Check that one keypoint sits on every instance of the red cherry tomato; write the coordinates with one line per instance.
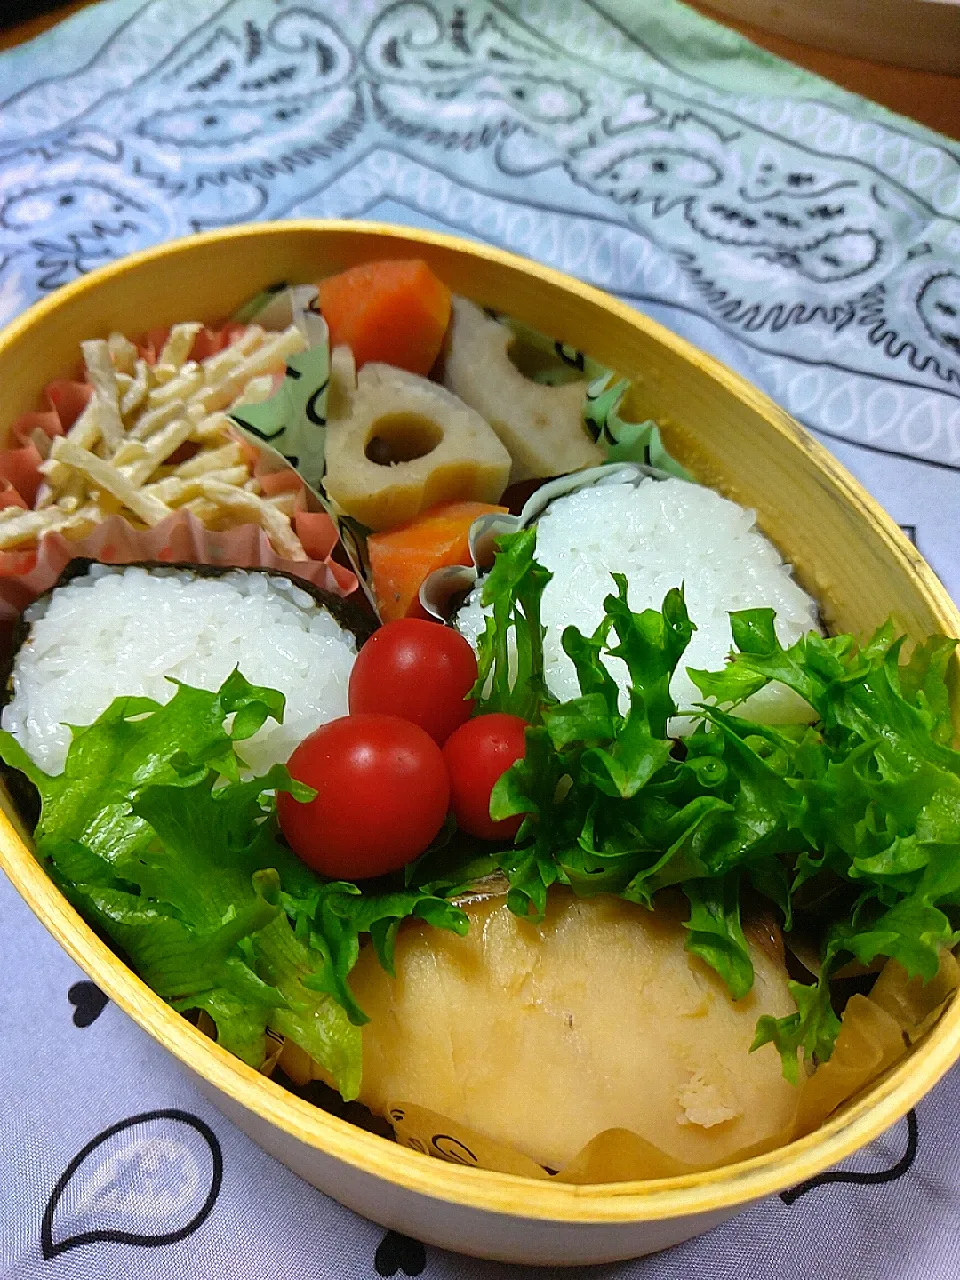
(421, 671)
(382, 796)
(476, 755)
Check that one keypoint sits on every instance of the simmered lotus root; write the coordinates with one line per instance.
(541, 426)
(406, 445)
(542, 1037)
(343, 383)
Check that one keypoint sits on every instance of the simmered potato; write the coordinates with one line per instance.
(542, 1037)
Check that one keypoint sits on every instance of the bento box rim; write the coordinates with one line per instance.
(503, 1194)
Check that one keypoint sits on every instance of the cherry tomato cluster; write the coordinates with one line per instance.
(387, 774)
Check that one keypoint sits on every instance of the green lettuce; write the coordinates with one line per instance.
(860, 813)
(510, 649)
(850, 826)
(157, 837)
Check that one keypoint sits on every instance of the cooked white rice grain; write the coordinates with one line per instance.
(123, 631)
(661, 534)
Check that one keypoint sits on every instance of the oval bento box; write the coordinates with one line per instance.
(847, 553)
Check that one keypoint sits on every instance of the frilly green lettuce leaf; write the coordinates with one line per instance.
(337, 914)
(860, 813)
(510, 674)
(715, 931)
(813, 1028)
(158, 840)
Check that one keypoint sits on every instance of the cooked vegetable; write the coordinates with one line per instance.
(381, 796)
(858, 814)
(417, 670)
(542, 1038)
(154, 836)
(407, 445)
(388, 312)
(540, 425)
(401, 558)
(622, 885)
(477, 755)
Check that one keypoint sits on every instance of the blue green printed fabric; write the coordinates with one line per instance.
(803, 235)
(808, 238)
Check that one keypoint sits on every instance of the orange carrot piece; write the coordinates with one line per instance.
(401, 558)
(393, 312)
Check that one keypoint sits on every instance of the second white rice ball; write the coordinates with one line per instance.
(661, 534)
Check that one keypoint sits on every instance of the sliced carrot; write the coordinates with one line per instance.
(401, 558)
(393, 312)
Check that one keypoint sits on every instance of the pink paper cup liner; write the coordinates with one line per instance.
(26, 574)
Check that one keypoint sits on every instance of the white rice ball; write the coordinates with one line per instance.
(661, 534)
(123, 631)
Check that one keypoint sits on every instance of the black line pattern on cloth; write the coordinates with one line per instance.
(902, 1166)
(682, 172)
(363, 209)
(88, 1003)
(397, 1252)
(171, 1170)
(656, 300)
(770, 235)
(645, 162)
(697, 104)
(882, 450)
(691, 105)
(97, 57)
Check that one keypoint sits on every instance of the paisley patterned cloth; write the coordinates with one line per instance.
(806, 237)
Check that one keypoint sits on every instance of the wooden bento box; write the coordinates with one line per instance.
(846, 550)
